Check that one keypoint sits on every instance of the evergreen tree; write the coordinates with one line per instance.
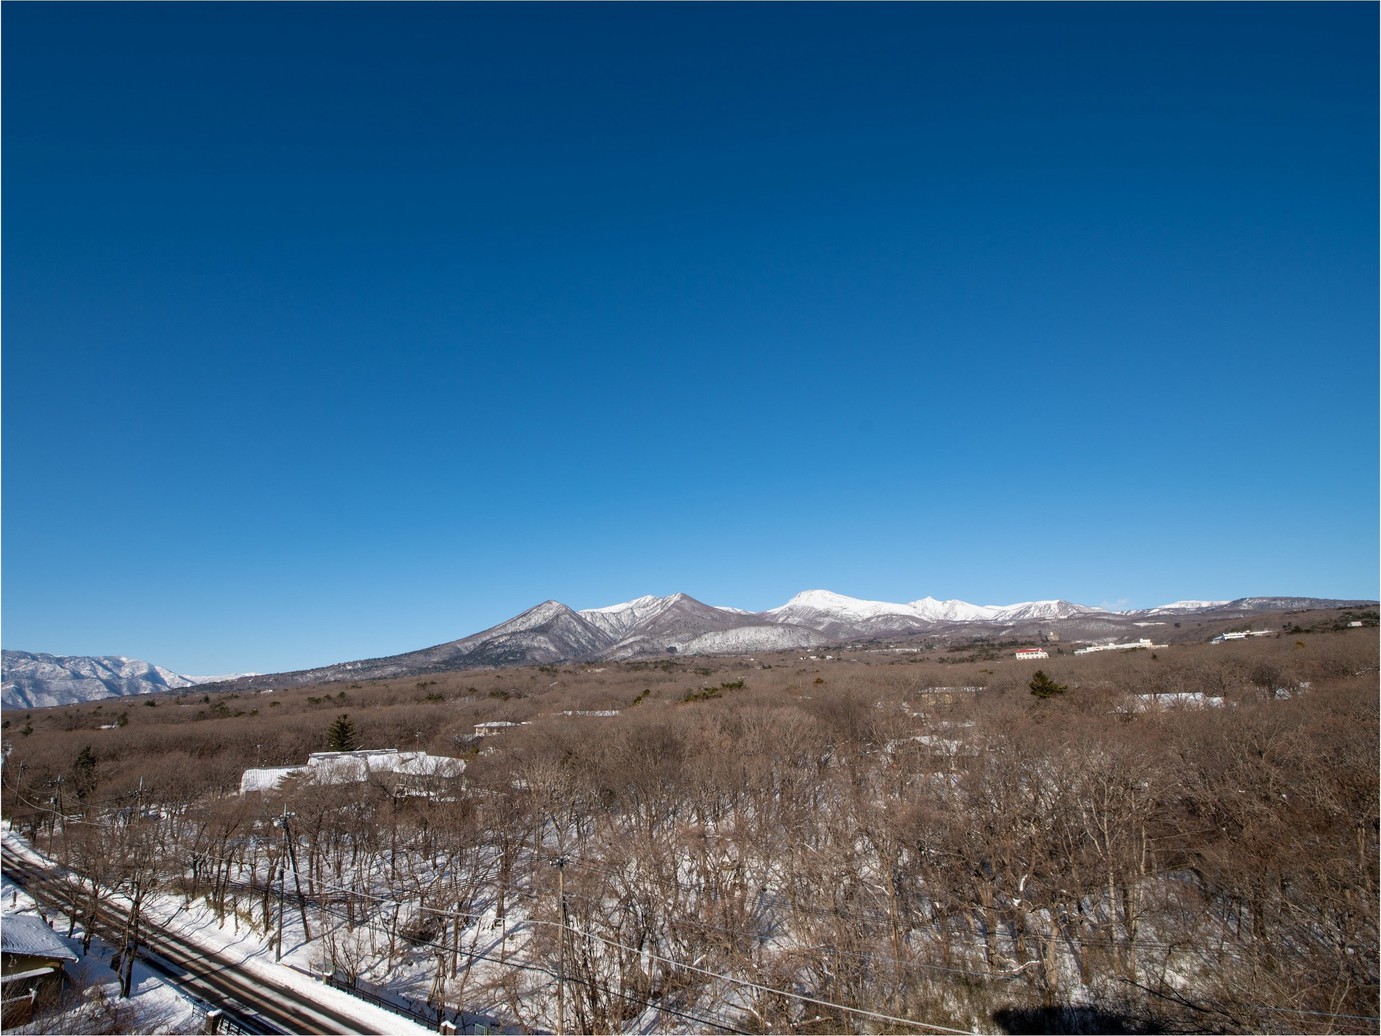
(341, 737)
(1044, 687)
(84, 773)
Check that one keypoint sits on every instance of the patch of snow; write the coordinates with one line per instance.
(1177, 700)
(1186, 606)
(751, 638)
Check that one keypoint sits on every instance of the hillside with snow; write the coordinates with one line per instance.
(36, 680)
(553, 633)
(847, 617)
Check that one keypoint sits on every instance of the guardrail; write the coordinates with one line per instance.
(436, 1018)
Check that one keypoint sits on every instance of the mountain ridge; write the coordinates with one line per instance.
(677, 624)
(36, 680)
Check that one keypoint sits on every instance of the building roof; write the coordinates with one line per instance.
(265, 778)
(29, 936)
(344, 767)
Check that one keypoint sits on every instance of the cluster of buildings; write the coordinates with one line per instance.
(1039, 653)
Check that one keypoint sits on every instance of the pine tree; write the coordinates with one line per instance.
(1044, 687)
(84, 773)
(341, 737)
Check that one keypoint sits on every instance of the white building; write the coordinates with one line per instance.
(1032, 653)
(408, 770)
(1143, 643)
(495, 726)
(1240, 635)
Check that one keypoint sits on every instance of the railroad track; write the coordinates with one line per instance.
(249, 1002)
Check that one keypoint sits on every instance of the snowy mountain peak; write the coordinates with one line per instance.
(544, 612)
(831, 612)
(952, 610)
(637, 604)
(837, 604)
(1041, 610)
(617, 619)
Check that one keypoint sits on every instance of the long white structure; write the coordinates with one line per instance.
(1143, 643)
(349, 767)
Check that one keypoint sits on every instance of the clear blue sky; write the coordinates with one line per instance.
(333, 331)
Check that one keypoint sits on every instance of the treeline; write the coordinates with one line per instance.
(1187, 843)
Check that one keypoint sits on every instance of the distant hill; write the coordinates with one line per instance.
(37, 680)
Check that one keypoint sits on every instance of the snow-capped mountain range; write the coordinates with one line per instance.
(837, 615)
(657, 627)
(35, 680)
(38, 680)
(553, 633)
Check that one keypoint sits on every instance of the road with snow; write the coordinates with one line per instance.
(251, 1002)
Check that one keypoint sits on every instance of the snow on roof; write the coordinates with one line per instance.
(265, 779)
(20, 976)
(342, 767)
(29, 936)
(1178, 699)
(420, 764)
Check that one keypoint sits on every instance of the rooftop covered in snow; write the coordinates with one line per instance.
(347, 767)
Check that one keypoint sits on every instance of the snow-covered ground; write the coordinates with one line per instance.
(155, 1006)
(158, 1007)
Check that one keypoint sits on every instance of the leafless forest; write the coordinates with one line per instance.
(1183, 839)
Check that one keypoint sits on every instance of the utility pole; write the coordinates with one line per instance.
(560, 864)
(282, 909)
(282, 822)
(297, 878)
(55, 805)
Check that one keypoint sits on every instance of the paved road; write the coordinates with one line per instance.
(250, 1003)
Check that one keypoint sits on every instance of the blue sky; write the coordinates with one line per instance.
(333, 331)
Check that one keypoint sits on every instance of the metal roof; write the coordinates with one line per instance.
(29, 936)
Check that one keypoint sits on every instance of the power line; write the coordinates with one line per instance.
(648, 954)
(614, 874)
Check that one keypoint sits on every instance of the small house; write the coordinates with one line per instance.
(32, 963)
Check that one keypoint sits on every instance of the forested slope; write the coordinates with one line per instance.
(1183, 840)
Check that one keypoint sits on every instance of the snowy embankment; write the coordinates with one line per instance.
(159, 1007)
(155, 1005)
